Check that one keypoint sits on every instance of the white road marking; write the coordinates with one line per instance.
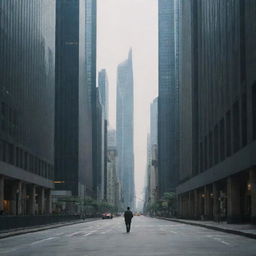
(75, 233)
(60, 234)
(221, 241)
(90, 233)
(218, 239)
(44, 240)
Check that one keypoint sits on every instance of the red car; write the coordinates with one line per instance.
(107, 215)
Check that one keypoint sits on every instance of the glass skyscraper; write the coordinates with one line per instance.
(27, 50)
(124, 130)
(168, 94)
(73, 122)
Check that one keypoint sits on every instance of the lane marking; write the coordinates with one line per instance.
(221, 241)
(90, 233)
(60, 234)
(44, 240)
(75, 233)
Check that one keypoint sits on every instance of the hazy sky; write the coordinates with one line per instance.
(123, 24)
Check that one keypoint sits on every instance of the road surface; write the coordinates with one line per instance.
(148, 237)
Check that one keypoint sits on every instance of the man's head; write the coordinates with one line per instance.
(128, 208)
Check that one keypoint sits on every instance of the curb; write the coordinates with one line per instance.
(40, 228)
(230, 231)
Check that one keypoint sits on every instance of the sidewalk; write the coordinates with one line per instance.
(21, 231)
(246, 230)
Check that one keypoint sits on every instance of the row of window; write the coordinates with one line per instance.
(22, 159)
(229, 135)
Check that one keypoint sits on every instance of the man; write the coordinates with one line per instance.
(128, 219)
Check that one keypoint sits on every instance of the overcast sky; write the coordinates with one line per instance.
(123, 24)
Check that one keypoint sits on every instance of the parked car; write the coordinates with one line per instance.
(107, 215)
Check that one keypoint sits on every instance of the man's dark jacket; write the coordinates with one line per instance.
(128, 216)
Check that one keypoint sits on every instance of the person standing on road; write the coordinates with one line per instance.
(128, 219)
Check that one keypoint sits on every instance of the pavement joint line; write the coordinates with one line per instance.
(225, 230)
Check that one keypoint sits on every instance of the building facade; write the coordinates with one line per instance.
(27, 51)
(217, 174)
(152, 193)
(103, 93)
(103, 87)
(113, 183)
(124, 130)
(73, 112)
(91, 77)
(100, 140)
(168, 98)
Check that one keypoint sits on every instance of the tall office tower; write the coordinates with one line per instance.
(168, 95)
(151, 194)
(100, 182)
(27, 50)
(124, 130)
(218, 96)
(90, 75)
(103, 88)
(103, 91)
(153, 122)
(73, 119)
(99, 169)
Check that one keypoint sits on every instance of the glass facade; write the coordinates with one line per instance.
(124, 130)
(73, 116)
(27, 50)
(168, 96)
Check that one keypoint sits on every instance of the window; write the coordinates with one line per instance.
(228, 134)
(26, 161)
(222, 140)
(254, 110)
(210, 149)
(10, 153)
(4, 153)
(31, 163)
(1, 149)
(244, 120)
(205, 153)
(201, 157)
(236, 127)
(17, 157)
(216, 144)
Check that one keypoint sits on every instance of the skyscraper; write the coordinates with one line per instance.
(100, 172)
(103, 88)
(124, 130)
(91, 77)
(100, 161)
(73, 118)
(218, 97)
(27, 51)
(151, 192)
(167, 100)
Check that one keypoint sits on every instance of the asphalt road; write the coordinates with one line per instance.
(149, 237)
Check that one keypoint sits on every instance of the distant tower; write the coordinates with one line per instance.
(124, 130)
(103, 89)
